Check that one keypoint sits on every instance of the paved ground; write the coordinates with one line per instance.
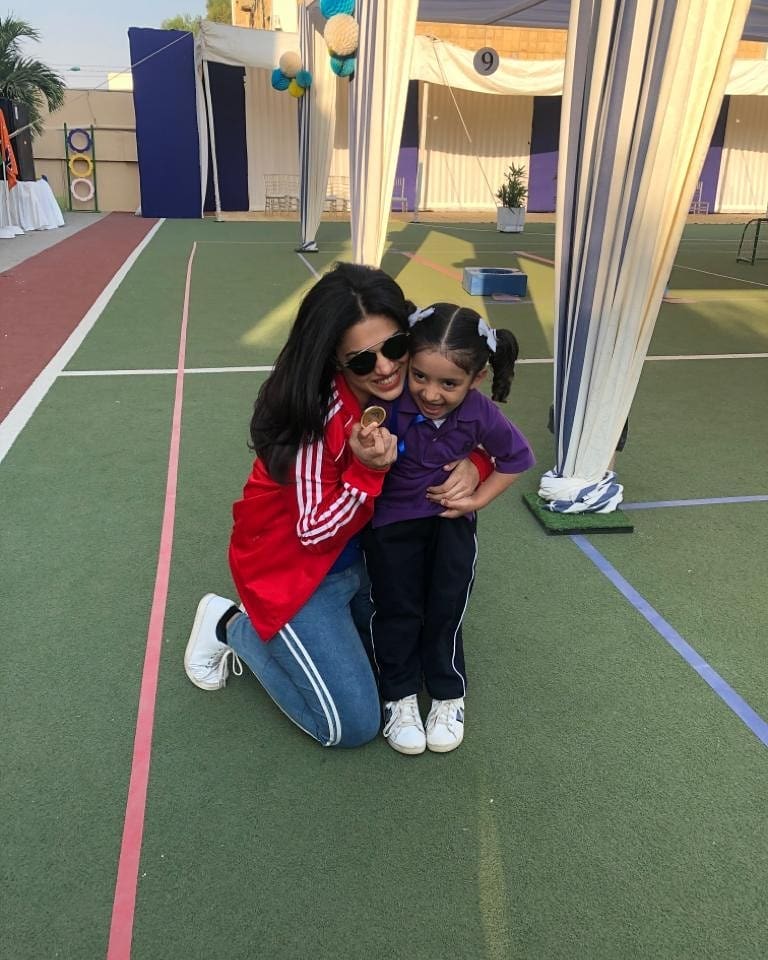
(15, 251)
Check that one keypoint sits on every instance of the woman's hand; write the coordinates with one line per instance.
(460, 484)
(375, 447)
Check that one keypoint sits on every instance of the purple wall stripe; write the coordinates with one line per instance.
(710, 172)
(542, 170)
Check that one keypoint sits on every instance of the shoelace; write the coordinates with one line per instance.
(445, 714)
(236, 666)
(218, 662)
(404, 715)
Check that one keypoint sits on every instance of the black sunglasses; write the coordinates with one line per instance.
(393, 348)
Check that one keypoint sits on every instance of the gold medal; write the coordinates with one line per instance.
(375, 415)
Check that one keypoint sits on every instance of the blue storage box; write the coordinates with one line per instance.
(485, 281)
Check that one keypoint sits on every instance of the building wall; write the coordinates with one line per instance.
(529, 44)
(110, 113)
(524, 44)
(252, 13)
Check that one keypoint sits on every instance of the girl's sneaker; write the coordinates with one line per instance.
(445, 725)
(206, 659)
(403, 729)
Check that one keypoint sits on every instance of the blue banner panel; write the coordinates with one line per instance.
(228, 99)
(163, 67)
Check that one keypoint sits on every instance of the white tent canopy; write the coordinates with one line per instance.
(633, 137)
(433, 61)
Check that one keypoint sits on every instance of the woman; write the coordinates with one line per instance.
(295, 553)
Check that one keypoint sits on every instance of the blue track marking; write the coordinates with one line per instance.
(708, 674)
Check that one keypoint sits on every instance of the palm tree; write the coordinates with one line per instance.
(24, 79)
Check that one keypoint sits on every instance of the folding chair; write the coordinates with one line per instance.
(398, 194)
(337, 198)
(272, 192)
(291, 191)
(697, 204)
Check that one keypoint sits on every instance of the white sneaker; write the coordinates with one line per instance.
(206, 660)
(403, 729)
(445, 725)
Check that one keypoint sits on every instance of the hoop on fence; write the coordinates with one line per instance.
(89, 189)
(83, 133)
(81, 158)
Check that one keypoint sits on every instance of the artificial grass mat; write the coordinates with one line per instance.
(565, 523)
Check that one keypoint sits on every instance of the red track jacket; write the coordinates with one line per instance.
(287, 536)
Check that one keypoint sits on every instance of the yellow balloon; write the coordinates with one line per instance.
(295, 90)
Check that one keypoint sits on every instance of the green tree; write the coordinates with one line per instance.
(25, 79)
(182, 21)
(218, 10)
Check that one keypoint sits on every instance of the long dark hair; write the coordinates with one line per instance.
(453, 331)
(293, 402)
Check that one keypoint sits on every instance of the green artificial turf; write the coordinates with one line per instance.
(605, 803)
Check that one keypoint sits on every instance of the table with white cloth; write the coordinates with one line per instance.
(30, 205)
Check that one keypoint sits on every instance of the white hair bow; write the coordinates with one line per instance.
(488, 332)
(420, 315)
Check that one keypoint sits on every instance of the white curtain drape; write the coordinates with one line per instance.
(317, 119)
(743, 186)
(377, 106)
(643, 87)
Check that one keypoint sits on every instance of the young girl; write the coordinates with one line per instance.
(295, 552)
(421, 557)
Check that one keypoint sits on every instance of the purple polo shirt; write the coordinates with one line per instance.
(478, 421)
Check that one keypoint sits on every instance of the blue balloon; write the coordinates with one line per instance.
(304, 79)
(279, 79)
(329, 8)
(343, 66)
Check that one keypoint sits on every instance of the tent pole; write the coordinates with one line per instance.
(212, 138)
(423, 116)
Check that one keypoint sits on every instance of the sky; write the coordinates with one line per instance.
(90, 34)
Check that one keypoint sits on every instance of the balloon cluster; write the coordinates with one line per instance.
(290, 76)
(341, 35)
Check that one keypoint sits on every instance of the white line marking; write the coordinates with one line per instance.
(309, 266)
(269, 369)
(713, 356)
(19, 416)
(723, 276)
(272, 243)
(161, 371)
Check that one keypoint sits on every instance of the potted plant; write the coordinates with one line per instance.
(510, 216)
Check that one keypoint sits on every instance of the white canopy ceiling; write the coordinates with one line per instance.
(546, 13)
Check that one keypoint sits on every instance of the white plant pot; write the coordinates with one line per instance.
(510, 219)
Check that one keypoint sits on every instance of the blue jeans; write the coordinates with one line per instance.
(316, 668)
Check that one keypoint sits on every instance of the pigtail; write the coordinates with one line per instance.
(503, 364)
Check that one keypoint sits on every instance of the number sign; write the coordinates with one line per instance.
(486, 61)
